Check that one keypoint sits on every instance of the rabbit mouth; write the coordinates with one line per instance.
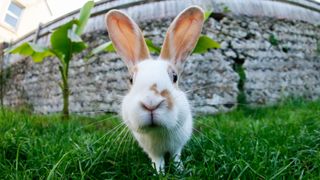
(153, 123)
(150, 127)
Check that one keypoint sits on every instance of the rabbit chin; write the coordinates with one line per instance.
(140, 120)
(158, 120)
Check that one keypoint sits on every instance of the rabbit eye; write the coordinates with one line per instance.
(174, 77)
(130, 80)
(172, 74)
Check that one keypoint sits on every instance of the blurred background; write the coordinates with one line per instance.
(18, 17)
(268, 52)
(254, 90)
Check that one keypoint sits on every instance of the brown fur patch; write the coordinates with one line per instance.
(166, 94)
(154, 89)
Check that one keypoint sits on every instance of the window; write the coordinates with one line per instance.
(13, 14)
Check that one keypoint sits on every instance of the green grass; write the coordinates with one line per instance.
(279, 142)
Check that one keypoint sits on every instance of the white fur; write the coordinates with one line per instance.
(155, 110)
(175, 125)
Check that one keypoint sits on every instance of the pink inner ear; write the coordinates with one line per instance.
(126, 37)
(183, 35)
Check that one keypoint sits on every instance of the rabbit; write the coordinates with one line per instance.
(155, 110)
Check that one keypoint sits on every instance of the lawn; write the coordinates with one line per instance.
(278, 142)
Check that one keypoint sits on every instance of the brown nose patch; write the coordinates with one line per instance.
(154, 88)
(164, 93)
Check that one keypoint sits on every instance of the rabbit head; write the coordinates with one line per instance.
(154, 100)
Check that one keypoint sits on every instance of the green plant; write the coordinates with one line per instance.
(207, 14)
(226, 9)
(273, 40)
(65, 42)
(204, 44)
(241, 99)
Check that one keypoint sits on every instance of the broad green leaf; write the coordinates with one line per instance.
(59, 38)
(152, 48)
(73, 36)
(77, 44)
(84, 16)
(207, 14)
(37, 52)
(108, 47)
(204, 43)
(65, 41)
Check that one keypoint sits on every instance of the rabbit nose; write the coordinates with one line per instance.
(151, 107)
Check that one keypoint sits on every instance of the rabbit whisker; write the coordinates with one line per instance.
(118, 137)
(124, 139)
(115, 129)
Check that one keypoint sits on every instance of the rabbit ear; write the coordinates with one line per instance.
(126, 37)
(182, 35)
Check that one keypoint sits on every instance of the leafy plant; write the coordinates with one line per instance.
(241, 99)
(285, 49)
(207, 14)
(65, 42)
(226, 9)
(152, 48)
(204, 44)
(273, 40)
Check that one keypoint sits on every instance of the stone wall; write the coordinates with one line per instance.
(211, 80)
(274, 71)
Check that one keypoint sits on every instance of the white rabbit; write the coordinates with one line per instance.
(155, 109)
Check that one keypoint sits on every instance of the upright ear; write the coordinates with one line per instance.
(182, 35)
(126, 37)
